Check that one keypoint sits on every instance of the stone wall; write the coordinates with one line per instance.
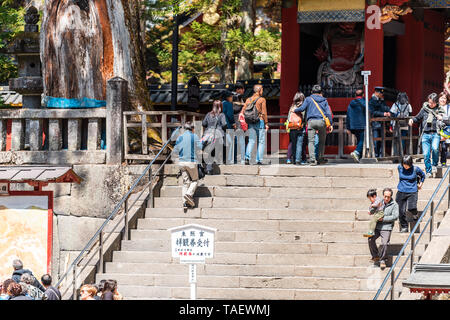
(80, 209)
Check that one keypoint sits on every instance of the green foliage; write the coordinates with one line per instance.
(200, 47)
(11, 22)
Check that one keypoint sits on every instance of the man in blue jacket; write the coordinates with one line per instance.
(356, 122)
(316, 122)
(186, 147)
(378, 109)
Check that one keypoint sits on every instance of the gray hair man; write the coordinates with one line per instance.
(19, 271)
(384, 229)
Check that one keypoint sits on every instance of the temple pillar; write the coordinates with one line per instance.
(373, 54)
(290, 62)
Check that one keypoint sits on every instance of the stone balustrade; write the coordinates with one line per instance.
(65, 136)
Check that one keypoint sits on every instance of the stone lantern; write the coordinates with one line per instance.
(26, 48)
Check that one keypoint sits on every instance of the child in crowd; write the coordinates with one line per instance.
(376, 209)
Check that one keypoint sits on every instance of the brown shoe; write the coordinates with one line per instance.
(374, 260)
(189, 201)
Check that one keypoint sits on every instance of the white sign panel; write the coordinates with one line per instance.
(192, 243)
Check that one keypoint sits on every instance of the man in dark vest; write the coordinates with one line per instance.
(378, 109)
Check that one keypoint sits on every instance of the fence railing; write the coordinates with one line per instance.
(392, 276)
(341, 138)
(394, 137)
(97, 242)
(136, 125)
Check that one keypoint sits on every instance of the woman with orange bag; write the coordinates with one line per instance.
(296, 128)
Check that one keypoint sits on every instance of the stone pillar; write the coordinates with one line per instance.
(116, 101)
(17, 135)
(2, 135)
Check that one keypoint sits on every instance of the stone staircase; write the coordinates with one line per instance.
(284, 232)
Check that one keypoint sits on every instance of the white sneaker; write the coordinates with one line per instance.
(428, 175)
(434, 169)
(189, 200)
(355, 156)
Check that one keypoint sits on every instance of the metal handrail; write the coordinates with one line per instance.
(414, 243)
(98, 236)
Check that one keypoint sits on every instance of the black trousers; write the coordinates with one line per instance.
(406, 202)
(444, 148)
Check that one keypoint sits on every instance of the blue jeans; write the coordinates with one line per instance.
(316, 147)
(359, 134)
(257, 135)
(296, 138)
(430, 147)
(377, 144)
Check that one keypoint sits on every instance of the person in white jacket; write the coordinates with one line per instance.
(401, 109)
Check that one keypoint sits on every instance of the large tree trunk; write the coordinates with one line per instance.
(86, 42)
(227, 71)
(245, 63)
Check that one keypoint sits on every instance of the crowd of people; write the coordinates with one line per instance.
(23, 285)
(433, 118)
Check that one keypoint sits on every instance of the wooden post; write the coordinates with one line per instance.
(17, 134)
(144, 134)
(125, 135)
(116, 101)
(341, 138)
(2, 135)
(164, 128)
(383, 139)
(54, 135)
(410, 134)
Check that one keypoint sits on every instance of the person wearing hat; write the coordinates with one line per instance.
(227, 105)
(378, 109)
(187, 147)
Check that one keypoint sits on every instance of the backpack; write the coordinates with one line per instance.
(251, 112)
(295, 121)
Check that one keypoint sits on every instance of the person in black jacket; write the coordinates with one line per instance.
(19, 271)
(356, 122)
(378, 109)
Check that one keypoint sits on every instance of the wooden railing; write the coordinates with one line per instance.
(395, 138)
(136, 135)
(341, 138)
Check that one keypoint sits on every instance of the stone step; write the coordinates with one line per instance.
(131, 292)
(330, 170)
(261, 225)
(269, 248)
(275, 203)
(323, 283)
(214, 270)
(296, 181)
(266, 214)
(274, 263)
(280, 192)
(270, 236)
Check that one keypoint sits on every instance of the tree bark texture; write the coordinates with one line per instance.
(86, 42)
(227, 71)
(245, 62)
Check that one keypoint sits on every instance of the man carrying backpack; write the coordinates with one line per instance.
(255, 113)
(319, 118)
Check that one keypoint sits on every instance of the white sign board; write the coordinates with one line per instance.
(3, 188)
(192, 243)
